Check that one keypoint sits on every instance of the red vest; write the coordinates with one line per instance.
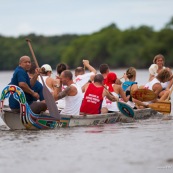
(92, 100)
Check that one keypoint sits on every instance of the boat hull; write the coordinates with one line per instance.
(14, 122)
(26, 119)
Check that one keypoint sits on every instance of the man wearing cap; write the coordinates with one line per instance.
(50, 83)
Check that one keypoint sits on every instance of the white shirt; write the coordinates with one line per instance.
(73, 103)
(111, 106)
(44, 79)
(150, 84)
(83, 79)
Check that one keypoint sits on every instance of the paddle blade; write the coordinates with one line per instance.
(125, 109)
(163, 107)
(53, 110)
(143, 95)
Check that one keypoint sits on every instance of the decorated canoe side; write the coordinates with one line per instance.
(14, 122)
(26, 119)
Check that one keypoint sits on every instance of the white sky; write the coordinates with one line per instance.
(56, 17)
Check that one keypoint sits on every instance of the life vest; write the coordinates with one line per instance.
(127, 87)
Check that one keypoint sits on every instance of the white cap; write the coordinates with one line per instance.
(47, 67)
(153, 69)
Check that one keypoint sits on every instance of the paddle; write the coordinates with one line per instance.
(143, 95)
(169, 94)
(162, 107)
(125, 109)
(46, 93)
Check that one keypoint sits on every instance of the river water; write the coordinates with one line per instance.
(142, 146)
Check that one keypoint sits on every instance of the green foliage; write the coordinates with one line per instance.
(132, 47)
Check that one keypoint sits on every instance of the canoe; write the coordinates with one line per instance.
(27, 120)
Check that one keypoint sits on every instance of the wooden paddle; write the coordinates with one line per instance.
(162, 106)
(169, 94)
(46, 93)
(143, 95)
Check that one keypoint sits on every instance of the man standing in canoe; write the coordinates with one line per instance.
(21, 79)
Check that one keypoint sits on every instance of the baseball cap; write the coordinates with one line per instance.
(47, 67)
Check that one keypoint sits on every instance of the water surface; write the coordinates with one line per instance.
(142, 146)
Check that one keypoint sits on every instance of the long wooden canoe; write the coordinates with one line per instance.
(26, 119)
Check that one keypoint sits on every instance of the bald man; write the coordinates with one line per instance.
(21, 79)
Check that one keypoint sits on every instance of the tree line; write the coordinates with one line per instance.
(118, 48)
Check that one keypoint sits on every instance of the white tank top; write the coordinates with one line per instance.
(150, 84)
(111, 106)
(73, 103)
(44, 79)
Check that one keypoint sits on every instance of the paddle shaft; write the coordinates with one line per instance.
(169, 94)
(163, 107)
(47, 95)
(34, 57)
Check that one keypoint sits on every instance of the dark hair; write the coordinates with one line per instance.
(61, 67)
(103, 68)
(98, 78)
(32, 69)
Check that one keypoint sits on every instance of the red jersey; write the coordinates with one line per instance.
(92, 100)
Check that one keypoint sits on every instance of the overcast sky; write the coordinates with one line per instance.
(57, 17)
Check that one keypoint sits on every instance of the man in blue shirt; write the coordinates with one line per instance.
(38, 87)
(21, 79)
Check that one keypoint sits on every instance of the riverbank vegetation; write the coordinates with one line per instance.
(120, 49)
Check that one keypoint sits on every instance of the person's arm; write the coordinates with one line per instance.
(89, 67)
(68, 91)
(123, 95)
(34, 78)
(24, 86)
(109, 95)
(157, 88)
(170, 83)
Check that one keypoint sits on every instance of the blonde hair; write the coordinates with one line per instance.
(164, 75)
(131, 72)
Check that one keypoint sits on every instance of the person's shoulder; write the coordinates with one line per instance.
(20, 71)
